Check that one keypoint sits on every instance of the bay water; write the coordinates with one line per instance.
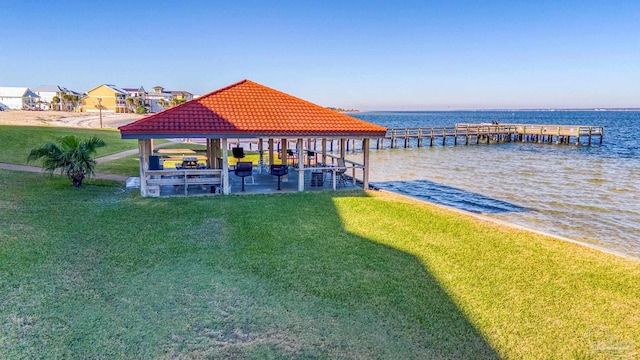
(590, 194)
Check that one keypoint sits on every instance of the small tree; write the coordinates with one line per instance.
(141, 110)
(56, 101)
(73, 157)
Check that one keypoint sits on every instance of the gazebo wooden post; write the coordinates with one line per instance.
(261, 159)
(225, 168)
(343, 141)
(210, 154)
(143, 151)
(324, 152)
(216, 152)
(365, 163)
(283, 155)
(300, 165)
(271, 151)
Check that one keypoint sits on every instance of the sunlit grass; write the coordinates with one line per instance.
(530, 295)
(101, 273)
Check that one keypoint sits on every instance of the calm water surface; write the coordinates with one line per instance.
(590, 194)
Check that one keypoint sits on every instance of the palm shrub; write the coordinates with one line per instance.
(72, 155)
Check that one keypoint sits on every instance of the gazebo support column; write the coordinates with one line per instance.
(226, 190)
(270, 152)
(343, 141)
(283, 155)
(144, 149)
(210, 158)
(365, 163)
(324, 151)
(261, 159)
(300, 165)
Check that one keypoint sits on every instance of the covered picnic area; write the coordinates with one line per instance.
(256, 139)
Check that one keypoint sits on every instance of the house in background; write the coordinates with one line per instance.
(138, 97)
(67, 100)
(182, 95)
(159, 98)
(108, 97)
(18, 98)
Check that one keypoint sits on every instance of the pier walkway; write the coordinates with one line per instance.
(460, 134)
(465, 134)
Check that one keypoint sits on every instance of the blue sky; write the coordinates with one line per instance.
(369, 55)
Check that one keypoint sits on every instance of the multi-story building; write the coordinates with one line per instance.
(66, 99)
(159, 98)
(18, 98)
(108, 97)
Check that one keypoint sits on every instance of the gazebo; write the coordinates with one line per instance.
(247, 110)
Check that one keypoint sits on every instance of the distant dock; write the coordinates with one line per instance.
(462, 134)
(466, 134)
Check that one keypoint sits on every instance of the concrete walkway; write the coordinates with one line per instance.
(36, 169)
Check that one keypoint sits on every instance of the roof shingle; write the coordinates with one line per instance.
(248, 109)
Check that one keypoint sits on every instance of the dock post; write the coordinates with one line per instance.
(601, 134)
(431, 140)
(466, 135)
(406, 138)
(420, 137)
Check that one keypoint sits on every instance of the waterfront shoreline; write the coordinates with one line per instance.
(505, 223)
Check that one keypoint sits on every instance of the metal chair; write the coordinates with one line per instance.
(244, 169)
(279, 170)
(340, 176)
(238, 152)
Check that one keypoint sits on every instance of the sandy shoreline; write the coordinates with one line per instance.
(65, 119)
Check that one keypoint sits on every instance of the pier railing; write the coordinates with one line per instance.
(490, 133)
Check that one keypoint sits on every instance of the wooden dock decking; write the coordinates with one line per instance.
(461, 134)
(491, 133)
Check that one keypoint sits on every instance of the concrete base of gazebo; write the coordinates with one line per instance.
(261, 183)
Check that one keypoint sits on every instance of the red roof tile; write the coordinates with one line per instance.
(248, 109)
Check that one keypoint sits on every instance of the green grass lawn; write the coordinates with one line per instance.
(17, 141)
(101, 273)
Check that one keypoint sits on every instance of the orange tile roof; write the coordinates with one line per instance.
(247, 109)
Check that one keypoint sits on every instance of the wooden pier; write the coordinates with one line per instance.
(460, 134)
(465, 134)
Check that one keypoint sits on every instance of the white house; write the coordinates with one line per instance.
(138, 94)
(18, 98)
(161, 96)
(157, 97)
(47, 92)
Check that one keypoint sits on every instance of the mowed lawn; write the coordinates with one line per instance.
(99, 272)
(17, 141)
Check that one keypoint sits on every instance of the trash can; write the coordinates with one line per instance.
(154, 162)
(317, 179)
